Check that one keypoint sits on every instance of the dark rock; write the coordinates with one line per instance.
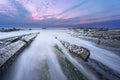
(11, 50)
(70, 71)
(77, 50)
(29, 37)
(102, 36)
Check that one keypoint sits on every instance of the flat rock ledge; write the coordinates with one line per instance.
(79, 51)
(11, 47)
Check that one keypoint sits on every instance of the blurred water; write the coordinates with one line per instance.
(106, 57)
(40, 58)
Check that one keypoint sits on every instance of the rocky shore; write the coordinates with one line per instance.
(11, 47)
(82, 54)
(9, 29)
(68, 68)
(78, 51)
(105, 38)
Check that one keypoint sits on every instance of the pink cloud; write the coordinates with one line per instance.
(7, 8)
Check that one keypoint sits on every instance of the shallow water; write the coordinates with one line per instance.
(36, 60)
(106, 57)
(39, 62)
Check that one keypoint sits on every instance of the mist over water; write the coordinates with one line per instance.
(106, 57)
(33, 60)
(39, 61)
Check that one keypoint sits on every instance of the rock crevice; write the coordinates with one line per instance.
(12, 47)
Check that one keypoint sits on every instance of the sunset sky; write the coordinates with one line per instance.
(57, 12)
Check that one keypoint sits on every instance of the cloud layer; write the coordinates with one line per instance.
(57, 12)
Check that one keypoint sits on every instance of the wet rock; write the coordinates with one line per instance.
(106, 37)
(71, 72)
(103, 70)
(7, 41)
(12, 47)
(29, 37)
(77, 50)
(10, 50)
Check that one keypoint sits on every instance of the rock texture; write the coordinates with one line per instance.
(106, 37)
(7, 41)
(10, 50)
(71, 72)
(77, 50)
(28, 37)
(11, 47)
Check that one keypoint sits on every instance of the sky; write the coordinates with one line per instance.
(57, 12)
